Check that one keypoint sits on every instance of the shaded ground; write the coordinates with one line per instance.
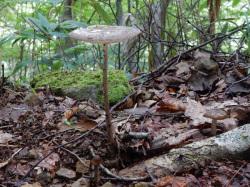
(53, 136)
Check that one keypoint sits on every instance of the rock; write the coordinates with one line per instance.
(84, 85)
(77, 93)
(80, 183)
(107, 184)
(82, 167)
(66, 173)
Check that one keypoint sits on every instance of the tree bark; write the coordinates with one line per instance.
(129, 47)
(231, 144)
(67, 10)
(67, 15)
(157, 32)
(119, 18)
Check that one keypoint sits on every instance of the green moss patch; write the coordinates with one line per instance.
(83, 85)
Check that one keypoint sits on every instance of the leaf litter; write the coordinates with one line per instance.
(167, 112)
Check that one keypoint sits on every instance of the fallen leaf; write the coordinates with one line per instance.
(50, 162)
(195, 110)
(85, 124)
(174, 181)
(170, 104)
(82, 167)
(66, 173)
(37, 184)
(6, 137)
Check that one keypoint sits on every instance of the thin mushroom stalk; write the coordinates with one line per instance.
(106, 96)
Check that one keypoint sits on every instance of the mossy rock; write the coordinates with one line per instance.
(83, 85)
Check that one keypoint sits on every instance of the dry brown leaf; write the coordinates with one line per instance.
(170, 104)
(70, 113)
(36, 184)
(85, 124)
(50, 162)
(173, 181)
(195, 110)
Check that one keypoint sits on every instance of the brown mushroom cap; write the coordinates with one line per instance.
(216, 114)
(104, 34)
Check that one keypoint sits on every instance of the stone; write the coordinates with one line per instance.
(84, 85)
(66, 173)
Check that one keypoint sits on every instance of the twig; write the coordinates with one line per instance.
(135, 135)
(3, 80)
(109, 173)
(55, 134)
(236, 173)
(74, 154)
(6, 126)
(121, 102)
(237, 82)
(3, 164)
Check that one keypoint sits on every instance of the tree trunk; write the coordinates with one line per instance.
(67, 15)
(129, 48)
(119, 18)
(67, 10)
(157, 32)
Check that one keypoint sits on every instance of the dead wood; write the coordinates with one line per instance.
(227, 145)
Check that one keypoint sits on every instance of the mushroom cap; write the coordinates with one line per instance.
(104, 34)
(216, 114)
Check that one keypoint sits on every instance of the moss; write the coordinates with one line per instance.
(59, 81)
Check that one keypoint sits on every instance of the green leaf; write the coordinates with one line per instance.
(44, 22)
(102, 13)
(20, 66)
(203, 5)
(235, 2)
(58, 34)
(70, 24)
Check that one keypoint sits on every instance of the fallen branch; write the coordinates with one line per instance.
(173, 141)
(230, 144)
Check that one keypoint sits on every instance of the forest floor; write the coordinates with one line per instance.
(47, 140)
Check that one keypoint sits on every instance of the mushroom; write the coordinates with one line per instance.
(215, 114)
(105, 35)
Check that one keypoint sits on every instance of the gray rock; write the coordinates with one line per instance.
(84, 93)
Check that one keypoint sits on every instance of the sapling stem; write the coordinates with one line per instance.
(106, 96)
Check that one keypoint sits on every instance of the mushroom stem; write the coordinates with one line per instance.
(105, 94)
(214, 127)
